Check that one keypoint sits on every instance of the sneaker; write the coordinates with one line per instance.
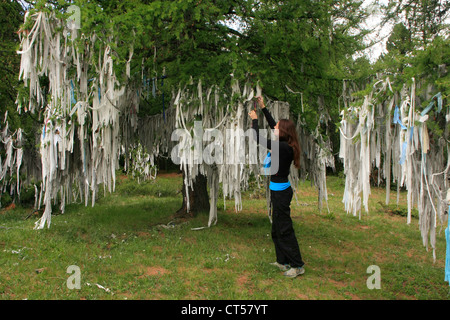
(293, 272)
(282, 267)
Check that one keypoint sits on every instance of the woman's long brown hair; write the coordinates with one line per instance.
(287, 132)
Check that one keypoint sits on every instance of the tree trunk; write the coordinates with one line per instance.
(198, 198)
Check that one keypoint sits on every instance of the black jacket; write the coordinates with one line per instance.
(282, 152)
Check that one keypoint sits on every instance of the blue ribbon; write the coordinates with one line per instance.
(267, 163)
(72, 93)
(397, 118)
(404, 146)
(447, 254)
(437, 97)
(402, 159)
(268, 160)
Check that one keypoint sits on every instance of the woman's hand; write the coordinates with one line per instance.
(260, 101)
(253, 115)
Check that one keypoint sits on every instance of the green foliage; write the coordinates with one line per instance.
(432, 64)
(11, 17)
(293, 43)
(400, 40)
(417, 49)
(299, 44)
(424, 20)
(306, 46)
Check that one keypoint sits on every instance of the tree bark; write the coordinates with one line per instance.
(198, 198)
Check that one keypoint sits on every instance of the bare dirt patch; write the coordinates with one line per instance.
(153, 271)
(170, 175)
(243, 283)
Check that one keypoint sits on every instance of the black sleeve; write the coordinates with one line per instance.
(269, 118)
(261, 140)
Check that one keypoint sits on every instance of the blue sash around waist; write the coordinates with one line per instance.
(280, 186)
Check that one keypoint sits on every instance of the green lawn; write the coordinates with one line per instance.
(129, 247)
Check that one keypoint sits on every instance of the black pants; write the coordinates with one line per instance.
(283, 235)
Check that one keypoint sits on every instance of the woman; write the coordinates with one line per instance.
(285, 150)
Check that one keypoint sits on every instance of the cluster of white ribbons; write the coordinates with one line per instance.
(398, 147)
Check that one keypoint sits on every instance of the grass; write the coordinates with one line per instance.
(128, 246)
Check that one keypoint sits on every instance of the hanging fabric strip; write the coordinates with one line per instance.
(72, 93)
(403, 156)
(405, 145)
(162, 89)
(438, 98)
(447, 255)
(154, 87)
(397, 118)
(267, 164)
